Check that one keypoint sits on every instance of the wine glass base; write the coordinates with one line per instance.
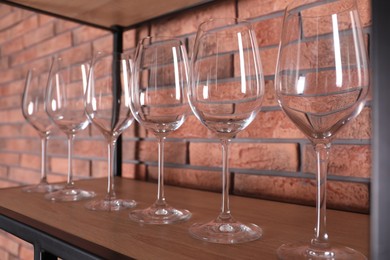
(225, 231)
(159, 215)
(43, 188)
(70, 194)
(110, 204)
(305, 251)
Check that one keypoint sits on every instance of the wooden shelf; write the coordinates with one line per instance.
(107, 13)
(112, 234)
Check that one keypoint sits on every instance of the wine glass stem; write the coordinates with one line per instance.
(320, 233)
(160, 191)
(43, 159)
(111, 169)
(225, 209)
(70, 183)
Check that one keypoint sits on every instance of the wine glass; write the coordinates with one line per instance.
(65, 106)
(226, 92)
(33, 109)
(322, 81)
(107, 104)
(159, 103)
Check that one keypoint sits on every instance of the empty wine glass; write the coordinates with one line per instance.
(65, 106)
(225, 95)
(158, 102)
(322, 81)
(107, 104)
(33, 109)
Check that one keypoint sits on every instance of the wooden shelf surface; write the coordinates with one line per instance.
(108, 13)
(108, 233)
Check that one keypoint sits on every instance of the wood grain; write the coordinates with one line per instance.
(107, 13)
(110, 233)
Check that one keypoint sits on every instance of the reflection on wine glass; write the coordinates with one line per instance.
(33, 109)
(225, 95)
(322, 81)
(107, 104)
(65, 106)
(158, 102)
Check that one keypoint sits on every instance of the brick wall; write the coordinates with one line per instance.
(270, 159)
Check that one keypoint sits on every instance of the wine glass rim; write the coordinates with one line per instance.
(158, 39)
(292, 9)
(236, 21)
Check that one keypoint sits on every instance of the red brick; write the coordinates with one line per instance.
(271, 124)
(99, 168)
(26, 252)
(359, 127)
(24, 175)
(7, 184)
(10, 102)
(18, 240)
(344, 160)
(275, 124)
(198, 179)
(42, 64)
(247, 155)
(364, 7)
(268, 60)
(10, 245)
(103, 44)
(9, 75)
(130, 131)
(211, 158)
(128, 150)
(56, 178)
(341, 195)
(12, 17)
(141, 131)
(192, 128)
(12, 130)
(269, 98)
(64, 25)
(188, 21)
(254, 8)
(129, 39)
(90, 148)
(3, 171)
(20, 145)
(268, 31)
(265, 156)
(10, 158)
(142, 31)
(4, 254)
(32, 161)
(45, 19)
(28, 39)
(86, 34)
(53, 45)
(79, 53)
(134, 171)
(81, 168)
(26, 130)
(4, 61)
(58, 146)
(174, 152)
(20, 28)
(130, 171)
(5, 10)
